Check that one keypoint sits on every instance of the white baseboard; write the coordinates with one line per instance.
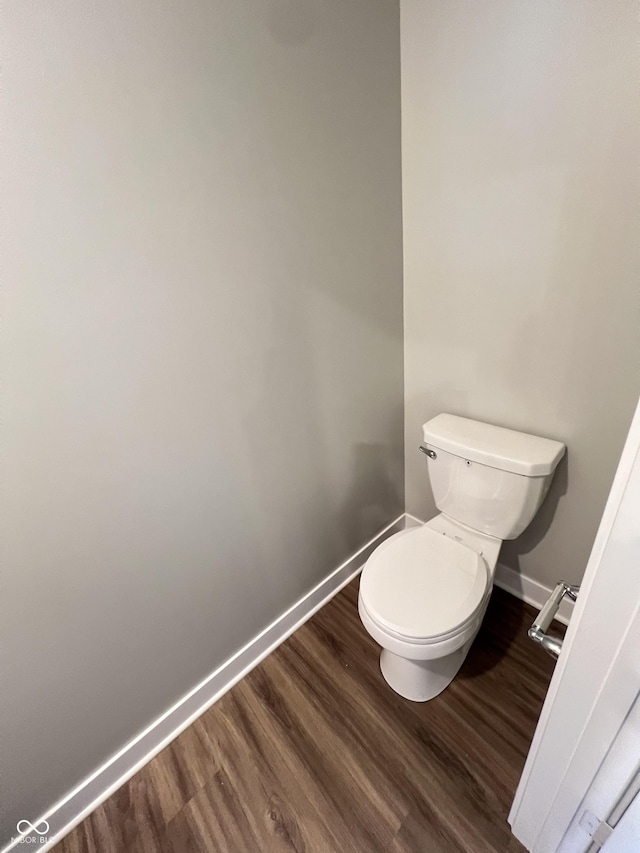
(80, 802)
(531, 591)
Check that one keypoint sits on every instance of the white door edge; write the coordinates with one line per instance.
(592, 688)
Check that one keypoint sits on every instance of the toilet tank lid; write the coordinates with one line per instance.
(497, 447)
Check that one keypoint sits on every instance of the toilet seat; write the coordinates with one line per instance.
(422, 643)
(423, 586)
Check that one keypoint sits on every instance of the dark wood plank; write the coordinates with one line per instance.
(312, 752)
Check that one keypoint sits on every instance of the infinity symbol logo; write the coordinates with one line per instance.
(24, 826)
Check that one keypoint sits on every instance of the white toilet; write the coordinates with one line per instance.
(425, 590)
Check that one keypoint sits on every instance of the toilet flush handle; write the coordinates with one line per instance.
(430, 453)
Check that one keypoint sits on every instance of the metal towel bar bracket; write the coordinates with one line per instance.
(538, 631)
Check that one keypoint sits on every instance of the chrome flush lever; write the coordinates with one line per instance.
(538, 631)
(427, 450)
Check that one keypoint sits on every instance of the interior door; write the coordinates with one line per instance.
(597, 677)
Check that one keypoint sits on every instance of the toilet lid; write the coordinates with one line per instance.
(422, 584)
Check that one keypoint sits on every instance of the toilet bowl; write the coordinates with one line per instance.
(424, 591)
(422, 598)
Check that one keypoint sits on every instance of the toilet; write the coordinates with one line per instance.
(424, 591)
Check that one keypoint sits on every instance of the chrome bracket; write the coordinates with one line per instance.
(538, 631)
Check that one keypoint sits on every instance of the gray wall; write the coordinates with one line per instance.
(202, 346)
(520, 198)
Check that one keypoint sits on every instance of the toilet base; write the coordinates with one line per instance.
(421, 680)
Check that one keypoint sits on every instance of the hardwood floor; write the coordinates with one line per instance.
(314, 752)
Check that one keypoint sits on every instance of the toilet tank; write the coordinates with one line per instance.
(487, 477)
